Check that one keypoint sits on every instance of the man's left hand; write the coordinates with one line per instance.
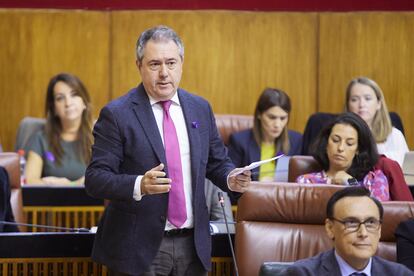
(239, 182)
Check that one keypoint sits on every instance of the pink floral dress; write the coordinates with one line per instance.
(375, 181)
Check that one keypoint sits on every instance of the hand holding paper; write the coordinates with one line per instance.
(253, 165)
(239, 179)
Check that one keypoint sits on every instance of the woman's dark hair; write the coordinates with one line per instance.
(269, 98)
(367, 155)
(53, 127)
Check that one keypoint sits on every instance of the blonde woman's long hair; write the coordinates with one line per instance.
(381, 124)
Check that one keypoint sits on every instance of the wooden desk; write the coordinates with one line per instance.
(60, 206)
(64, 254)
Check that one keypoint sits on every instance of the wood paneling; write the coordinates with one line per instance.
(377, 45)
(37, 44)
(230, 57)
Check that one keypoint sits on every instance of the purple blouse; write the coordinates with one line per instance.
(375, 181)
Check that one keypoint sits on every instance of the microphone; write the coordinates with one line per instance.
(221, 201)
(75, 230)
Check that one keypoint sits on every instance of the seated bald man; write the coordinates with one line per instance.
(354, 224)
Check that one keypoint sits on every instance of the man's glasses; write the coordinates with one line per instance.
(353, 225)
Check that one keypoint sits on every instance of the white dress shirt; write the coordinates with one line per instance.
(395, 147)
(347, 270)
(177, 116)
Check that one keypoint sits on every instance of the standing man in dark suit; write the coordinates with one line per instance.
(354, 224)
(153, 149)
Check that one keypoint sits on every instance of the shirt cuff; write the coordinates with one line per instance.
(228, 183)
(137, 188)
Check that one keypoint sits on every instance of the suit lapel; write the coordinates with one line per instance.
(145, 116)
(375, 266)
(329, 264)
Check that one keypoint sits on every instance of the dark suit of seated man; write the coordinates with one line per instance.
(405, 243)
(354, 225)
(6, 213)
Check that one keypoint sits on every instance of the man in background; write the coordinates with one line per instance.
(354, 224)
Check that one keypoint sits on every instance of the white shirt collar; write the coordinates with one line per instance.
(347, 270)
(174, 99)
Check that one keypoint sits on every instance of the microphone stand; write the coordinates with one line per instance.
(221, 200)
(76, 230)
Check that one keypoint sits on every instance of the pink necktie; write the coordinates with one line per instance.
(177, 213)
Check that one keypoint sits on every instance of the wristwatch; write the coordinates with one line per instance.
(352, 182)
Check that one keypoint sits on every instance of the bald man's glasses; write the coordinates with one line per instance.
(353, 225)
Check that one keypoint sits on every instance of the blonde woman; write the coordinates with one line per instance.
(59, 153)
(365, 98)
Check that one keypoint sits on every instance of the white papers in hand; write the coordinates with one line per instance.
(254, 165)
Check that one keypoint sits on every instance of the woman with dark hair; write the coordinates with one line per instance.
(347, 153)
(269, 136)
(59, 153)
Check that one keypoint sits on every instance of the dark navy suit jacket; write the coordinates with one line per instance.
(127, 144)
(325, 264)
(244, 150)
(6, 213)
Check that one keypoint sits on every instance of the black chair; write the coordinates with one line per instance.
(320, 119)
(273, 268)
(27, 127)
(397, 122)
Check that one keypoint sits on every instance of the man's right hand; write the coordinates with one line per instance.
(155, 182)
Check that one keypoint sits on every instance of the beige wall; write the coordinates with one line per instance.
(376, 45)
(37, 44)
(230, 57)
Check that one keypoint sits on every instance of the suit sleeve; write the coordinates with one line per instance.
(219, 164)
(405, 243)
(103, 178)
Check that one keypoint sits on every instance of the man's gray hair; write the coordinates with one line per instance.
(158, 33)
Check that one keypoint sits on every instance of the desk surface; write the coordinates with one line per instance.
(57, 196)
(54, 245)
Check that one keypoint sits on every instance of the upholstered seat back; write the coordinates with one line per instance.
(27, 127)
(284, 222)
(230, 123)
(302, 164)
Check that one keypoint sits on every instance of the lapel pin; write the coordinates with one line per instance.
(49, 156)
(194, 124)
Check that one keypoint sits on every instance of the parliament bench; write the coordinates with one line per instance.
(284, 222)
